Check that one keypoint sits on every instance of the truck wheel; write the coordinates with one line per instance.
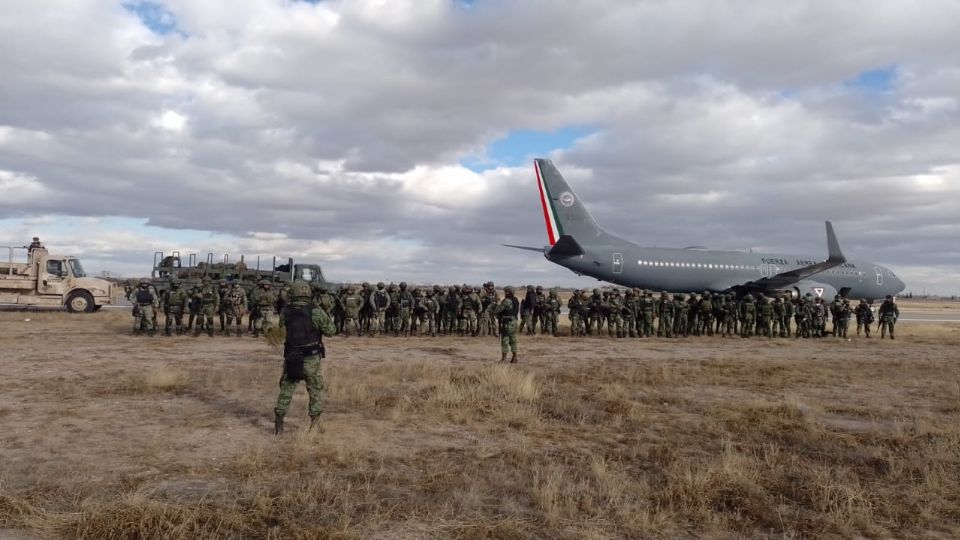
(80, 302)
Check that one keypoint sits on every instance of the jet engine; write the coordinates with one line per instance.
(815, 288)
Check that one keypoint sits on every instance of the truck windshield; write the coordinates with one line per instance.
(77, 268)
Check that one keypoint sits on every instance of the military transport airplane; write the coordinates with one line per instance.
(578, 243)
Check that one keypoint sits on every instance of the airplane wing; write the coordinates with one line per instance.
(785, 279)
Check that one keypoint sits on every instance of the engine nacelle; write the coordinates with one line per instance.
(815, 288)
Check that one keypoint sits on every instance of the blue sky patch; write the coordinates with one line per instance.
(875, 80)
(154, 16)
(522, 145)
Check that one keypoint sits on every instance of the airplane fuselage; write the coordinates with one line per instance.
(694, 270)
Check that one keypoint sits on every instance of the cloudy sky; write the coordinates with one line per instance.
(392, 139)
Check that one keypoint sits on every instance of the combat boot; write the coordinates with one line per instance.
(277, 423)
(239, 332)
(315, 424)
(503, 358)
(513, 358)
(210, 331)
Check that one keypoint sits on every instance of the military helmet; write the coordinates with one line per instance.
(206, 279)
(267, 284)
(223, 282)
(174, 282)
(748, 298)
(863, 300)
(539, 288)
(235, 284)
(467, 289)
(144, 283)
(436, 288)
(403, 284)
(351, 289)
(596, 291)
(508, 289)
(889, 297)
(529, 287)
(300, 289)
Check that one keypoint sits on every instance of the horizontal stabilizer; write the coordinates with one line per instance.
(528, 248)
(565, 247)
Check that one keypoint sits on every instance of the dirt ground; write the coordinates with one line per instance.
(105, 435)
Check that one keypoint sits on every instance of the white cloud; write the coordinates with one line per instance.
(170, 121)
(339, 126)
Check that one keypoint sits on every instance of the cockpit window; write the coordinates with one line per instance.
(77, 268)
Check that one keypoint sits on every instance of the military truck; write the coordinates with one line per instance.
(167, 266)
(51, 280)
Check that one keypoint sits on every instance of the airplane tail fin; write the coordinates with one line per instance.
(563, 212)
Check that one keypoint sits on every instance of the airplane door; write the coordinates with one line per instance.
(617, 263)
(879, 275)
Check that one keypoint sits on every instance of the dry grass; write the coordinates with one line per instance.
(425, 438)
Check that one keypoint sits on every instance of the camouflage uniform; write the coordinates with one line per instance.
(469, 305)
(845, 313)
(507, 313)
(208, 301)
(526, 311)
(765, 316)
(647, 309)
(352, 306)
(836, 309)
(730, 316)
(379, 304)
(306, 324)
(222, 289)
(145, 305)
(595, 311)
(573, 312)
(612, 309)
(665, 327)
(680, 307)
(706, 314)
(889, 313)
(551, 312)
(788, 309)
(748, 313)
(864, 317)
(234, 307)
(428, 314)
(264, 300)
(630, 309)
(405, 310)
(488, 308)
(451, 311)
(174, 305)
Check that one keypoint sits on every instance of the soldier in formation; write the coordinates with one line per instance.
(464, 310)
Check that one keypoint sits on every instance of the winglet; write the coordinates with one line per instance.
(833, 246)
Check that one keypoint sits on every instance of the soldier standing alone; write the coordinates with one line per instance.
(507, 313)
(889, 313)
(303, 349)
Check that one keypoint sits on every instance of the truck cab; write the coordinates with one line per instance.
(51, 280)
